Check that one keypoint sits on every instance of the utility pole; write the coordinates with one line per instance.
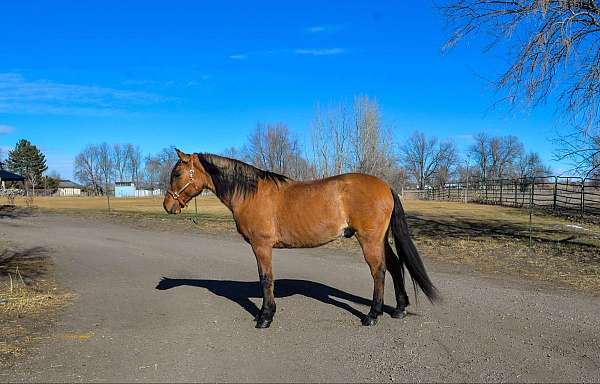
(468, 173)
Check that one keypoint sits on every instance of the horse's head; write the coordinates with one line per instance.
(188, 179)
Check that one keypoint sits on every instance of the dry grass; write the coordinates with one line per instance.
(29, 299)
(490, 239)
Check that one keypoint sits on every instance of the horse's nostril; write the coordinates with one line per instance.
(174, 207)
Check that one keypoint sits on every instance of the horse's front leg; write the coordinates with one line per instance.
(265, 273)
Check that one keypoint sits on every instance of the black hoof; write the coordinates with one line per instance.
(263, 323)
(258, 315)
(369, 321)
(399, 313)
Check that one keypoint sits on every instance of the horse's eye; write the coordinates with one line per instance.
(177, 174)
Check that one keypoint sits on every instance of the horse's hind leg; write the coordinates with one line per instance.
(396, 270)
(265, 273)
(374, 255)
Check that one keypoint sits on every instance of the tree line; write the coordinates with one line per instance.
(343, 138)
(354, 138)
(98, 166)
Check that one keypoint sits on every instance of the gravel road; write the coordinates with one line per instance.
(129, 324)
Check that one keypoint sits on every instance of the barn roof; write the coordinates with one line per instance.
(9, 176)
(69, 184)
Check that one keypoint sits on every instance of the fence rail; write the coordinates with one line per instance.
(567, 195)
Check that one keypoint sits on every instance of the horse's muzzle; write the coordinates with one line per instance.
(171, 206)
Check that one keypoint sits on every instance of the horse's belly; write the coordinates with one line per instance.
(308, 233)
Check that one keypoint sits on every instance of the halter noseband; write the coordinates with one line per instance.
(177, 195)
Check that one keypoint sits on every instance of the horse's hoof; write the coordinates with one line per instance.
(369, 321)
(399, 313)
(263, 323)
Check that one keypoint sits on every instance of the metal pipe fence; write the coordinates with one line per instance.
(561, 194)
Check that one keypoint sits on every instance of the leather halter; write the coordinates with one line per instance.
(177, 195)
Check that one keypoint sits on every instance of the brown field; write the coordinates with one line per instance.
(207, 205)
(487, 238)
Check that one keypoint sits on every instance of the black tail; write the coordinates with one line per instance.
(407, 253)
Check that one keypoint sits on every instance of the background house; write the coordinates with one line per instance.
(68, 188)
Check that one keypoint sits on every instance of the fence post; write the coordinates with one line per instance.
(554, 193)
(501, 185)
(516, 198)
(532, 190)
(582, 196)
(531, 211)
(486, 191)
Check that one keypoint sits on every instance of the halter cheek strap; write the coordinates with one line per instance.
(177, 195)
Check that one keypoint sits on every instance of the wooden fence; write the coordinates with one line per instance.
(568, 195)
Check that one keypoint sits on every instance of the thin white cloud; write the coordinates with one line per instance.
(319, 51)
(316, 29)
(24, 96)
(297, 51)
(324, 28)
(6, 129)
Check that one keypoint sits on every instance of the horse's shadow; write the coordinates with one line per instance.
(240, 292)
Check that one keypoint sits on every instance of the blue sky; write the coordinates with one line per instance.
(200, 75)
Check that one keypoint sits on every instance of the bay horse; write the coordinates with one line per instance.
(274, 211)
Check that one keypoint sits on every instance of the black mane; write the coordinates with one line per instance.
(232, 176)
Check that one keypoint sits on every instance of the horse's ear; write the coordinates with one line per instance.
(182, 156)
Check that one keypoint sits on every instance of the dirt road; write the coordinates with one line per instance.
(198, 325)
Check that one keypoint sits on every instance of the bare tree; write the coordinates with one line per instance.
(504, 151)
(424, 158)
(531, 165)
(119, 161)
(106, 168)
(583, 151)
(274, 148)
(86, 169)
(330, 141)
(554, 50)
(448, 163)
(234, 153)
(480, 153)
(163, 163)
(152, 170)
(133, 162)
(352, 139)
(371, 144)
(496, 156)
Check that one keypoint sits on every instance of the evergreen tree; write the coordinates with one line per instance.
(28, 161)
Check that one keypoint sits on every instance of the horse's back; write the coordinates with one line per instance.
(324, 209)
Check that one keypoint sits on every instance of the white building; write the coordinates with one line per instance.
(128, 189)
(68, 188)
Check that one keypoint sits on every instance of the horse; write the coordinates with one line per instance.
(273, 211)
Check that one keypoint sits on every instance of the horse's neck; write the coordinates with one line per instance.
(231, 202)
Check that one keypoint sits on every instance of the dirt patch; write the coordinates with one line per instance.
(30, 299)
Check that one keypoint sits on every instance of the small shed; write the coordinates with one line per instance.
(129, 189)
(68, 188)
(124, 189)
